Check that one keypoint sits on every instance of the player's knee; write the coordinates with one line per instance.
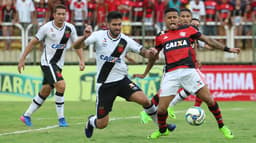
(60, 87)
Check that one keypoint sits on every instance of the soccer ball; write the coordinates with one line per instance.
(195, 116)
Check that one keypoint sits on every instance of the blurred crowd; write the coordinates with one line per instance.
(225, 12)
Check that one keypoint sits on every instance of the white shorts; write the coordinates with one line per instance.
(187, 78)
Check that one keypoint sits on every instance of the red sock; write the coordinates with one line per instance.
(198, 102)
(162, 121)
(217, 114)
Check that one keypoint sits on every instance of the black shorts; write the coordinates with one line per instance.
(52, 74)
(109, 91)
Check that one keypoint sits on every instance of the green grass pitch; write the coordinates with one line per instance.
(125, 126)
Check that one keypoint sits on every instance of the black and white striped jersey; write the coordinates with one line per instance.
(110, 54)
(56, 41)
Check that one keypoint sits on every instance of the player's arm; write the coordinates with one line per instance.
(79, 41)
(150, 64)
(80, 54)
(215, 44)
(27, 50)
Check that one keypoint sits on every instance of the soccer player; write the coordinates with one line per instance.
(180, 70)
(57, 36)
(111, 47)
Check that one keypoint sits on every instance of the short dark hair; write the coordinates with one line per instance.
(171, 10)
(196, 19)
(187, 10)
(59, 6)
(114, 15)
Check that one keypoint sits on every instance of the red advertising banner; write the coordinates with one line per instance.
(230, 82)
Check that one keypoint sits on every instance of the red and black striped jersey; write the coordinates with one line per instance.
(177, 47)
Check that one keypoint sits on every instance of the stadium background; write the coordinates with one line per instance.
(141, 22)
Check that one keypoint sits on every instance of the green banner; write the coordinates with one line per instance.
(19, 85)
(80, 85)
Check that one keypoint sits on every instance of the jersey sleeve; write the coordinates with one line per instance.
(158, 44)
(194, 34)
(91, 39)
(73, 33)
(133, 45)
(41, 33)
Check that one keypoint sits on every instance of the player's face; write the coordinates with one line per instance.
(185, 18)
(171, 20)
(115, 27)
(195, 23)
(59, 16)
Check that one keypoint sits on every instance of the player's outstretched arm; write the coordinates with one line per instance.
(152, 59)
(215, 44)
(27, 50)
(87, 33)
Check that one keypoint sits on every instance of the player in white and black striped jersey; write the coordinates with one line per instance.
(111, 47)
(56, 36)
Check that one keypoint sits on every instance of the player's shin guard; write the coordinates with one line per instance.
(162, 121)
(59, 101)
(36, 103)
(198, 102)
(152, 112)
(180, 96)
(217, 114)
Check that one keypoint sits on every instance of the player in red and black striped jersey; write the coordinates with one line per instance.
(180, 69)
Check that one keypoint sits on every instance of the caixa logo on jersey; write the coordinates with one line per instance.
(110, 59)
(58, 46)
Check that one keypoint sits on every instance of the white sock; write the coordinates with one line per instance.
(152, 112)
(92, 121)
(36, 103)
(59, 101)
(178, 98)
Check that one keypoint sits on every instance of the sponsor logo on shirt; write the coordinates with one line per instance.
(110, 59)
(58, 46)
(174, 44)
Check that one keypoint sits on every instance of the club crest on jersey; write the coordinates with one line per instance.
(67, 34)
(110, 59)
(120, 48)
(177, 43)
(58, 46)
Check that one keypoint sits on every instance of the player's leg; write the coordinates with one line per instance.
(169, 86)
(198, 102)
(106, 94)
(180, 96)
(213, 106)
(59, 102)
(37, 101)
(131, 92)
(149, 108)
(55, 78)
(194, 83)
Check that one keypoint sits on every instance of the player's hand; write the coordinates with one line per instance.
(234, 50)
(138, 75)
(87, 30)
(82, 66)
(153, 52)
(21, 65)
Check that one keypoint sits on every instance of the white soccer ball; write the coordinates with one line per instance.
(195, 116)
